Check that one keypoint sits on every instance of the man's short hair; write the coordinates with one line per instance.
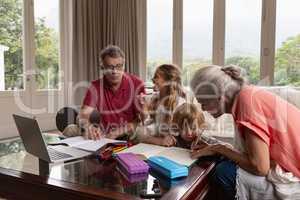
(112, 51)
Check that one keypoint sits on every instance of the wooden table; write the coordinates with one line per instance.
(22, 176)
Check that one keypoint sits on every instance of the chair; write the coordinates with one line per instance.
(65, 117)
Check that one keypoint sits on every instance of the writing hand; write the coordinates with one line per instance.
(93, 132)
(168, 140)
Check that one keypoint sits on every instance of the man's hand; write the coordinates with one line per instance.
(93, 132)
(90, 131)
(127, 129)
(168, 140)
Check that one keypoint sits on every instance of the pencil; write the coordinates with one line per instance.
(194, 144)
(119, 149)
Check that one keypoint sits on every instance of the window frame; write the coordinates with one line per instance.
(65, 45)
(267, 43)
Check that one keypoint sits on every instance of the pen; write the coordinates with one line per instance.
(199, 136)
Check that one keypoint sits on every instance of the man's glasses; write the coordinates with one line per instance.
(118, 67)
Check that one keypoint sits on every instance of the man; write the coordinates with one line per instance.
(114, 96)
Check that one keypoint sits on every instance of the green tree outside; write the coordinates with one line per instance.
(11, 36)
(250, 64)
(46, 55)
(287, 65)
(287, 62)
(46, 52)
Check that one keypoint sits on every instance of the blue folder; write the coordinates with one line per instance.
(167, 167)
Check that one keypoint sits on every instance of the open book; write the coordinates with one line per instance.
(87, 145)
(176, 154)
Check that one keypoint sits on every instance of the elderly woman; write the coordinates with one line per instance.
(265, 162)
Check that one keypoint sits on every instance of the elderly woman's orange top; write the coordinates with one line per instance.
(273, 120)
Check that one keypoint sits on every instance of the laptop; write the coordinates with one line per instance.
(34, 143)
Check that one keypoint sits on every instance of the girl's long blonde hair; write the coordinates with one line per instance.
(172, 75)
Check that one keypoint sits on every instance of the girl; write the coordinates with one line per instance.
(188, 123)
(167, 81)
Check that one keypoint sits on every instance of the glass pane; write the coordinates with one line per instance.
(11, 61)
(287, 60)
(197, 36)
(242, 42)
(159, 34)
(46, 17)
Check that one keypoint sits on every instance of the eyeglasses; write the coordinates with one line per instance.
(118, 67)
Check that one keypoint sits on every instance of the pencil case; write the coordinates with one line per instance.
(131, 163)
(133, 178)
(167, 167)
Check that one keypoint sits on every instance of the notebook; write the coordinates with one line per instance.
(176, 154)
(88, 145)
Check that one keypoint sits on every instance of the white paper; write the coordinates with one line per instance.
(178, 155)
(88, 145)
(145, 149)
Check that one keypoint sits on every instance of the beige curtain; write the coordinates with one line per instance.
(119, 22)
(97, 23)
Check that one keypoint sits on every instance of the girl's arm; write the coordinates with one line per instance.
(167, 140)
(256, 161)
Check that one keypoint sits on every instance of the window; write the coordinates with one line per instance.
(287, 57)
(29, 60)
(159, 34)
(197, 36)
(47, 43)
(242, 41)
(11, 60)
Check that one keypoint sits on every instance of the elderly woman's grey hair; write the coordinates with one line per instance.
(217, 80)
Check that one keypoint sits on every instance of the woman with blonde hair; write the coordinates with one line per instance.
(265, 161)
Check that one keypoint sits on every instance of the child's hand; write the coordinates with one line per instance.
(200, 145)
(168, 141)
(142, 99)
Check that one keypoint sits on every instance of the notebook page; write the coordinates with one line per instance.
(179, 155)
(145, 149)
(94, 145)
(88, 145)
(73, 141)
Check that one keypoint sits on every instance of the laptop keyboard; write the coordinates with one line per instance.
(56, 155)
